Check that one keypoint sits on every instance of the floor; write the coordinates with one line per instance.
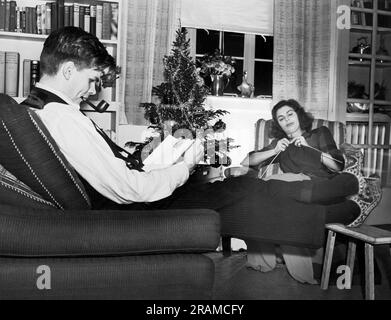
(236, 282)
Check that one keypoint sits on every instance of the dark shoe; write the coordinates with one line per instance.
(367, 199)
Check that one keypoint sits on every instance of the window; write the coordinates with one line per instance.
(252, 53)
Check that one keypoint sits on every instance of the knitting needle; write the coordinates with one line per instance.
(270, 164)
(324, 154)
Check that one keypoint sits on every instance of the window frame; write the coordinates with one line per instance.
(249, 51)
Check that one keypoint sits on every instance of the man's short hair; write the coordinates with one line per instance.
(74, 44)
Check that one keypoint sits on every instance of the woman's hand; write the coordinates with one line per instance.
(300, 141)
(281, 145)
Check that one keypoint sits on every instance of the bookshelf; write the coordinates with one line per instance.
(365, 53)
(26, 36)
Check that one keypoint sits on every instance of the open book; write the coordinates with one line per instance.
(167, 153)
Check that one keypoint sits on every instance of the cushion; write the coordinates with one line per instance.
(262, 139)
(14, 192)
(106, 232)
(29, 152)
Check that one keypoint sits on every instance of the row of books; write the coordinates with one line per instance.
(9, 73)
(100, 19)
(9, 77)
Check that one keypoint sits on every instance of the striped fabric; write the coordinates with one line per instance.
(13, 190)
(262, 139)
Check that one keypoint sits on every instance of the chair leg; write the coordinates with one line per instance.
(350, 260)
(369, 273)
(328, 257)
(226, 243)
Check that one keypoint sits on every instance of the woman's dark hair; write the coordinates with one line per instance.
(76, 45)
(305, 118)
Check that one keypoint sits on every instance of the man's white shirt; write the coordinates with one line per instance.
(89, 154)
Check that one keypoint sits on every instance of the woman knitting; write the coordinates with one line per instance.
(312, 166)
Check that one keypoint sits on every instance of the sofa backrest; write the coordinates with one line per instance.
(262, 138)
(30, 154)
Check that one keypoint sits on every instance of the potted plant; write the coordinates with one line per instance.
(219, 68)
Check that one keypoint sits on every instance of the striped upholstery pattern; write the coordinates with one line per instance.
(28, 151)
(262, 138)
(15, 192)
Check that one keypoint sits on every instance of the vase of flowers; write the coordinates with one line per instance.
(219, 68)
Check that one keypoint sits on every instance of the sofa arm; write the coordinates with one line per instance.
(43, 233)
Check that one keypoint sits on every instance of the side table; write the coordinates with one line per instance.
(371, 236)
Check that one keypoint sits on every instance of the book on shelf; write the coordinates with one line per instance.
(87, 19)
(30, 22)
(106, 21)
(31, 75)
(71, 15)
(18, 26)
(54, 15)
(27, 23)
(166, 153)
(99, 18)
(12, 17)
(23, 19)
(2, 15)
(60, 13)
(67, 19)
(26, 77)
(82, 12)
(93, 19)
(48, 18)
(34, 20)
(11, 73)
(2, 71)
(76, 15)
(7, 16)
(43, 18)
(114, 21)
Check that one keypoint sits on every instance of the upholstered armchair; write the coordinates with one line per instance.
(46, 224)
(298, 258)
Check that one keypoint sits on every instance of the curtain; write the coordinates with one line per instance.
(301, 62)
(253, 16)
(151, 27)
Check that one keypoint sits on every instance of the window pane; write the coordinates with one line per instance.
(236, 78)
(384, 21)
(233, 44)
(363, 4)
(263, 78)
(263, 50)
(207, 42)
(384, 5)
(359, 79)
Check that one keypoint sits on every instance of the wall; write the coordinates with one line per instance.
(243, 114)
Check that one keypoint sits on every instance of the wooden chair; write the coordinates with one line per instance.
(371, 236)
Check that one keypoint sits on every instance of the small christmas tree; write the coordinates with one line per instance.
(180, 104)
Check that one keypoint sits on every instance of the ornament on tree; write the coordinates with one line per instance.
(219, 126)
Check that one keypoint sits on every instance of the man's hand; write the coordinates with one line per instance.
(194, 154)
